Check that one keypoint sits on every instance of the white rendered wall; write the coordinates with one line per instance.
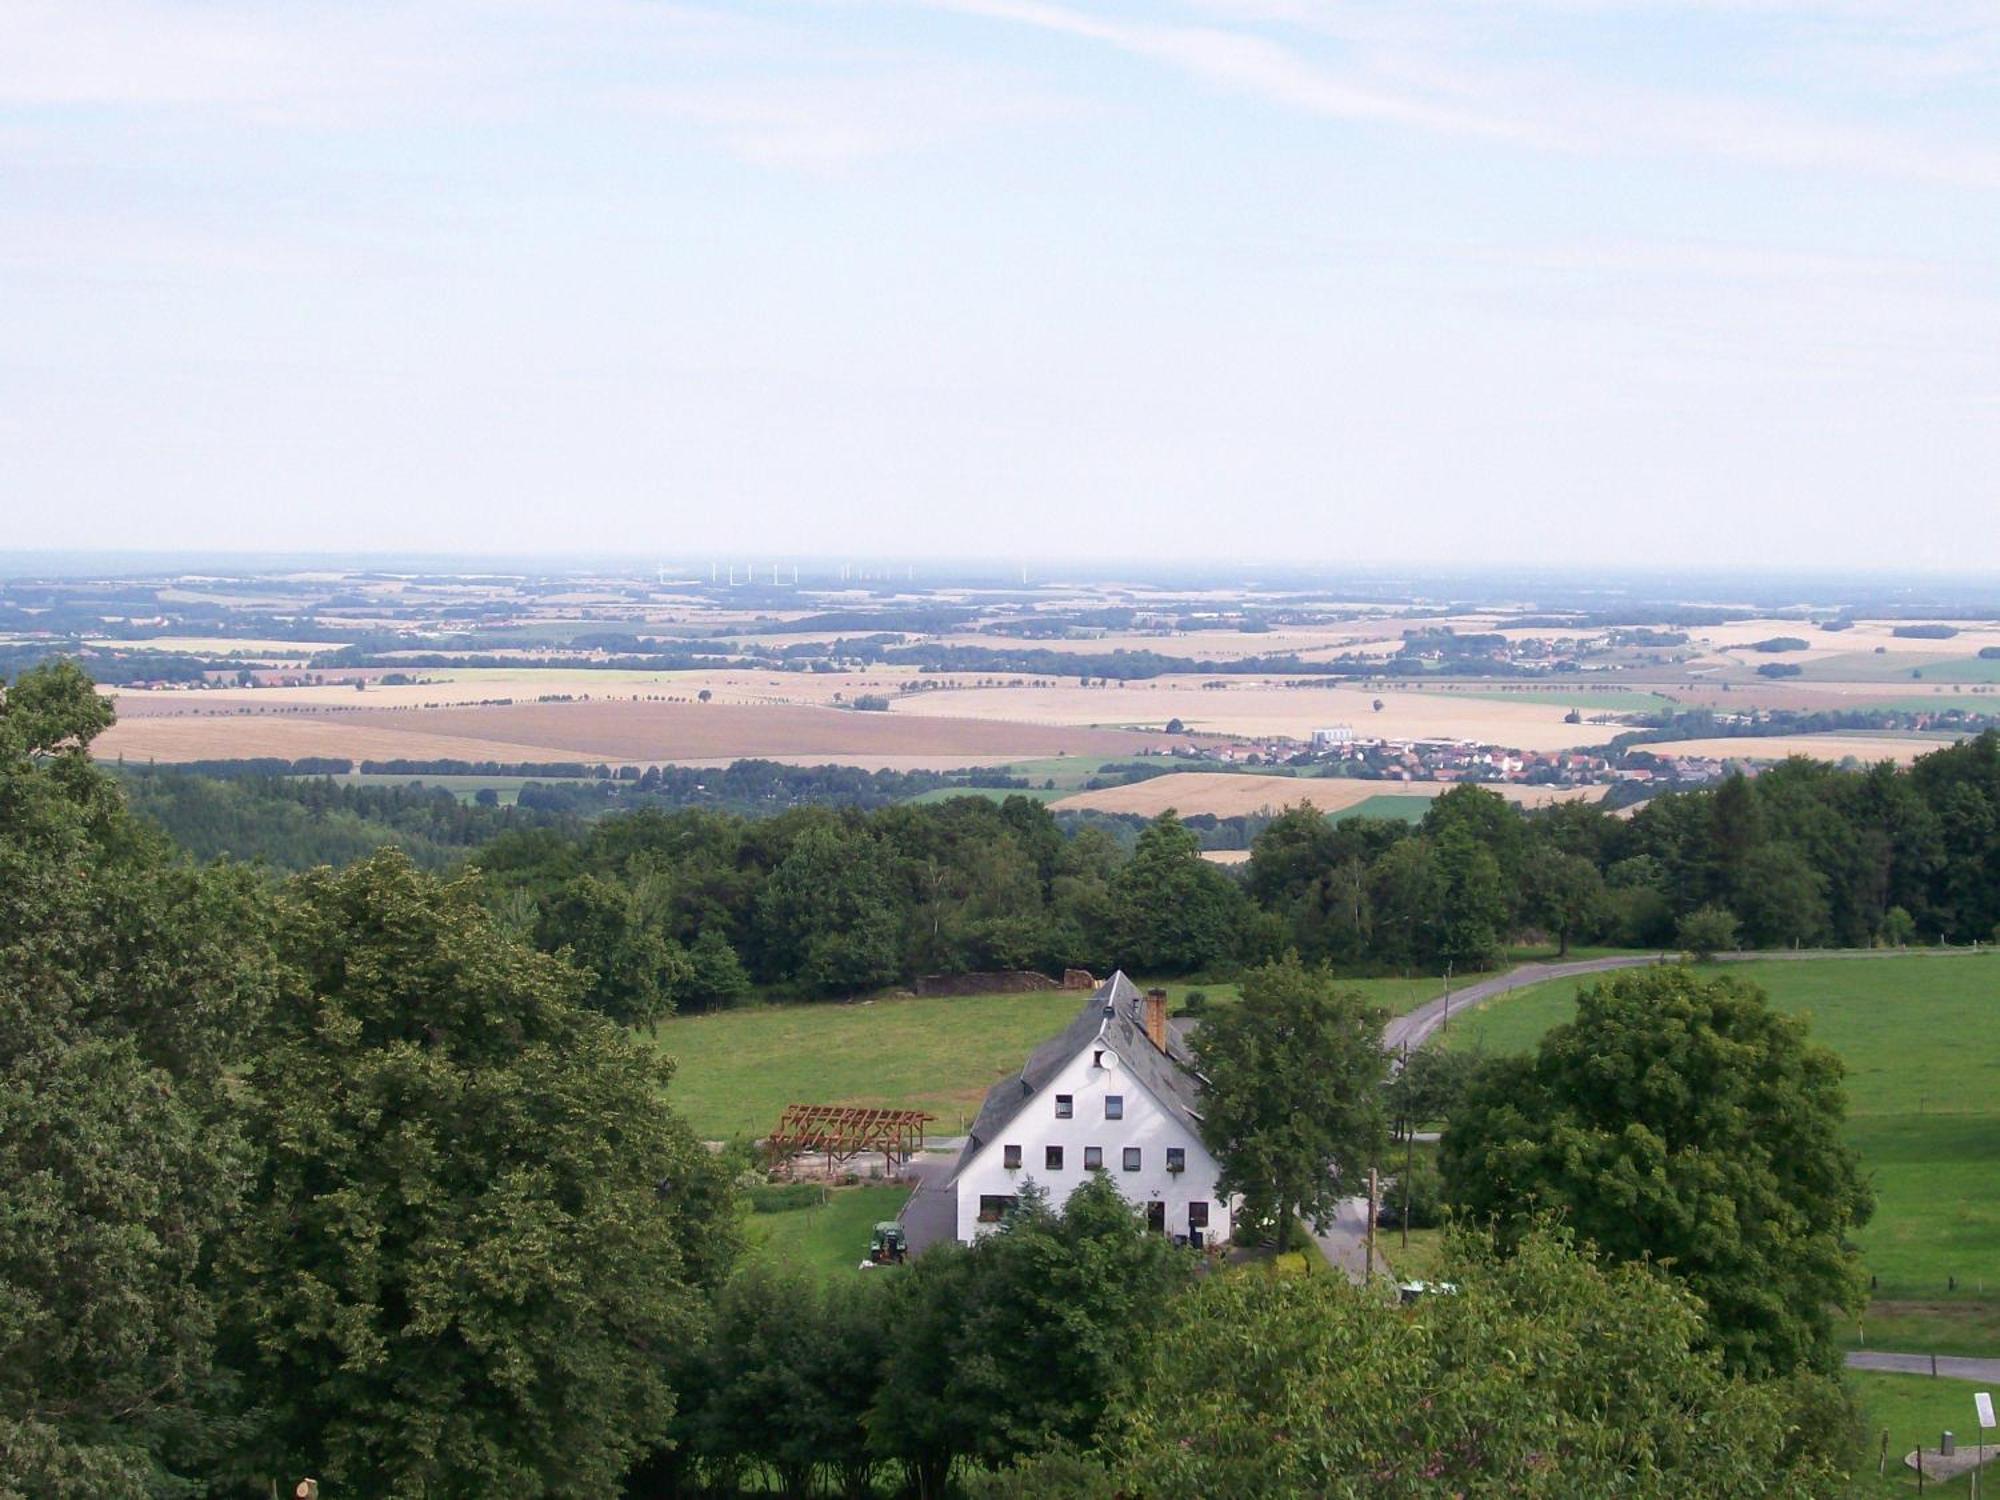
(1146, 1124)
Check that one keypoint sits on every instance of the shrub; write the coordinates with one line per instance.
(782, 1197)
(1426, 1198)
(1707, 931)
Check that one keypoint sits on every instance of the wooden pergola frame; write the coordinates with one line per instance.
(842, 1133)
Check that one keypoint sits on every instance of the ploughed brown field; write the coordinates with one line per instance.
(610, 732)
(1226, 795)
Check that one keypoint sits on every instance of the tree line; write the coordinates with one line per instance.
(830, 901)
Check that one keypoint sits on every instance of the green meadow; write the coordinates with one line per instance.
(1918, 1035)
(737, 1069)
(1913, 1410)
(827, 1239)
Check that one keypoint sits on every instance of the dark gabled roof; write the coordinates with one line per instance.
(1168, 1076)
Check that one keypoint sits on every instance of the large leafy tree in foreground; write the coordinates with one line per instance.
(1546, 1374)
(1680, 1120)
(1293, 1108)
(129, 985)
(1022, 1340)
(469, 1250)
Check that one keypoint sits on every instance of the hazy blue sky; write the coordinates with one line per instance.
(1665, 280)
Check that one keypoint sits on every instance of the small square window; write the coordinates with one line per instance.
(1093, 1158)
(1131, 1158)
(1052, 1158)
(1010, 1157)
(1176, 1158)
(1114, 1106)
(1065, 1106)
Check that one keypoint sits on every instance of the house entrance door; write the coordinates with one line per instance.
(1156, 1217)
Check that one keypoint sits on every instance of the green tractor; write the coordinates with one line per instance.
(888, 1246)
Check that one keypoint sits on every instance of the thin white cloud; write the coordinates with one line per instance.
(1542, 106)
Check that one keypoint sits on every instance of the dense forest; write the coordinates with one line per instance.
(832, 900)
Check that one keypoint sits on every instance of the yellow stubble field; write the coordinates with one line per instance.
(1226, 795)
(1258, 706)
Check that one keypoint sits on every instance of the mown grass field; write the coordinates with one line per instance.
(829, 1239)
(1913, 1410)
(1917, 1033)
(737, 1069)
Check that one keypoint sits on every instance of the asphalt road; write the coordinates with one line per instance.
(1945, 1366)
(1413, 1028)
(1344, 1245)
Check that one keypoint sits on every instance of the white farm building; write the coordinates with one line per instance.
(1115, 1093)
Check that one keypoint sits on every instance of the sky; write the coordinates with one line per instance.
(1561, 282)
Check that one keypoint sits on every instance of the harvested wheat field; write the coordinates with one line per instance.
(609, 731)
(444, 687)
(169, 738)
(1867, 748)
(1257, 706)
(1228, 796)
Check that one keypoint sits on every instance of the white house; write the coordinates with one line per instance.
(1114, 1093)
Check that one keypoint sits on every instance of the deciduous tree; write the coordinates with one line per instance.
(1679, 1120)
(1293, 1106)
(471, 1237)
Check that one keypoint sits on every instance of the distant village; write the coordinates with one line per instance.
(1340, 752)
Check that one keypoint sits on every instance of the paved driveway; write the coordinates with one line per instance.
(931, 1215)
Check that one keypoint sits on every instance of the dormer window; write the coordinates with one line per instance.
(1065, 1106)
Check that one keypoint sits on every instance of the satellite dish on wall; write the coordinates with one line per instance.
(1106, 1058)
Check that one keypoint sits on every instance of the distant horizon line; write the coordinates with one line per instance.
(816, 564)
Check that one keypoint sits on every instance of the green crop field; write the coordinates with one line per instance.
(1917, 1035)
(1969, 669)
(991, 793)
(829, 1239)
(1405, 809)
(1069, 772)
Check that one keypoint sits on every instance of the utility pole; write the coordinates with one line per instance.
(1409, 1155)
(1371, 1225)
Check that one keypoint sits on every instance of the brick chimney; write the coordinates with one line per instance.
(1154, 1014)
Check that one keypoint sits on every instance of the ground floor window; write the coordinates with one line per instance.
(1198, 1215)
(993, 1207)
